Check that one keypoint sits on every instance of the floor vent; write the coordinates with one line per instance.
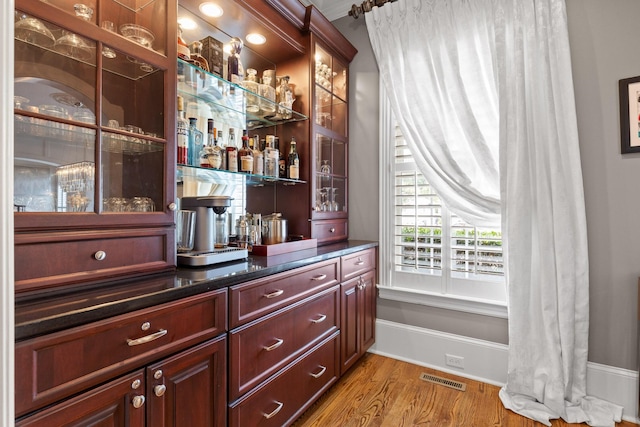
(443, 381)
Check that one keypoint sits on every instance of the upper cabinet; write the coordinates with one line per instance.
(329, 137)
(94, 138)
(304, 49)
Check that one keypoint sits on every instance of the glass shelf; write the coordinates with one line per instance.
(222, 176)
(228, 97)
(65, 135)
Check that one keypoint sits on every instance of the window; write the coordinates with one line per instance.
(431, 255)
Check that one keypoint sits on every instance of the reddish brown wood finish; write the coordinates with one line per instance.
(57, 365)
(251, 300)
(64, 264)
(50, 259)
(327, 231)
(192, 387)
(357, 263)
(260, 349)
(293, 390)
(350, 314)
(107, 405)
(358, 306)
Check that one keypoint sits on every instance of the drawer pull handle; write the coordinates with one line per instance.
(148, 338)
(322, 318)
(277, 344)
(319, 277)
(138, 401)
(159, 389)
(100, 255)
(275, 411)
(274, 294)
(332, 230)
(323, 369)
(359, 262)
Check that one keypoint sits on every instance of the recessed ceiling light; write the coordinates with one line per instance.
(187, 23)
(255, 38)
(211, 9)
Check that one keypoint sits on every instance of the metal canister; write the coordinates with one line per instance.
(274, 229)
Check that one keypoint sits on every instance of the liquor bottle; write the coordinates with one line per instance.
(245, 155)
(196, 55)
(282, 163)
(203, 158)
(210, 157)
(235, 71)
(216, 155)
(183, 49)
(182, 134)
(232, 152)
(195, 142)
(223, 151)
(271, 156)
(251, 84)
(258, 157)
(293, 161)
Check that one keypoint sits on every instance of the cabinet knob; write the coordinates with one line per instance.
(172, 206)
(159, 390)
(100, 255)
(138, 401)
(157, 374)
(332, 230)
(135, 384)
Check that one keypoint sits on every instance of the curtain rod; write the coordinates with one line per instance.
(366, 6)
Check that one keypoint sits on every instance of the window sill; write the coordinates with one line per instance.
(448, 302)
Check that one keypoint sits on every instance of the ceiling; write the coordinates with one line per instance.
(332, 9)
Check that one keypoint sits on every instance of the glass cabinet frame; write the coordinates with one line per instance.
(92, 145)
(329, 135)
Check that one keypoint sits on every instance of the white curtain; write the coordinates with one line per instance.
(452, 126)
(454, 68)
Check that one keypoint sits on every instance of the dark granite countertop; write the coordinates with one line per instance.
(41, 312)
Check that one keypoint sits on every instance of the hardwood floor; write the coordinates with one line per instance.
(380, 391)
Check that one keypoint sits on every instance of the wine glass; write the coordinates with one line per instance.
(325, 169)
(107, 52)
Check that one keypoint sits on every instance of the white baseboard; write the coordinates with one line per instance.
(487, 361)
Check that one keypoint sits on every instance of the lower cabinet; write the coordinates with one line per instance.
(187, 389)
(190, 388)
(178, 364)
(358, 316)
(117, 403)
(285, 396)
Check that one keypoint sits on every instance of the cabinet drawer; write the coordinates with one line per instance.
(260, 349)
(285, 397)
(357, 263)
(252, 300)
(54, 366)
(329, 230)
(48, 259)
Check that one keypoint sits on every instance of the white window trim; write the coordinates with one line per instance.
(385, 250)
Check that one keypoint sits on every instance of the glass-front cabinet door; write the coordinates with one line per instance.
(329, 198)
(90, 109)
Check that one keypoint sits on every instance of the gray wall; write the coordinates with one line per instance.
(604, 37)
